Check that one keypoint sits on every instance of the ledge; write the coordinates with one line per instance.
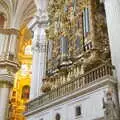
(83, 84)
(10, 63)
(9, 31)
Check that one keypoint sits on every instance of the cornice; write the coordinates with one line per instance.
(9, 63)
(9, 31)
(99, 84)
(38, 20)
(33, 23)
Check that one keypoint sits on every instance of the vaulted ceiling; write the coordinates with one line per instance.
(17, 12)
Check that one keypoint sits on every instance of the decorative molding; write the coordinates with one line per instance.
(7, 63)
(101, 83)
(9, 31)
(40, 47)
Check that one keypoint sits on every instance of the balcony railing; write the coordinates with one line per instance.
(72, 86)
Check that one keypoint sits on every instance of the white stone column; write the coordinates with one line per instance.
(38, 26)
(39, 61)
(4, 97)
(13, 44)
(112, 8)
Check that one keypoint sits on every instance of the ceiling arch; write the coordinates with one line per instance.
(18, 12)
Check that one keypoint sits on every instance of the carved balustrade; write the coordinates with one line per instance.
(76, 84)
(67, 20)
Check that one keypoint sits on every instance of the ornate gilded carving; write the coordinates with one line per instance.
(63, 17)
(46, 86)
(9, 31)
(66, 19)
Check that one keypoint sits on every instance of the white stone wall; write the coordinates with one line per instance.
(91, 107)
(112, 8)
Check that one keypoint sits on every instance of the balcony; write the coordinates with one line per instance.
(94, 76)
(8, 48)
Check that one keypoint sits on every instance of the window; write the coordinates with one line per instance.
(57, 117)
(86, 22)
(64, 45)
(28, 50)
(2, 20)
(41, 119)
(78, 111)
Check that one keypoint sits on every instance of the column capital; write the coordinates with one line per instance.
(40, 47)
(38, 22)
(42, 16)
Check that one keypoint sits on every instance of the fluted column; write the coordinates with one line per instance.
(112, 8)
(13, 44)
(8, 43)
(8, 67)
(39, 61)
(39, 49)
